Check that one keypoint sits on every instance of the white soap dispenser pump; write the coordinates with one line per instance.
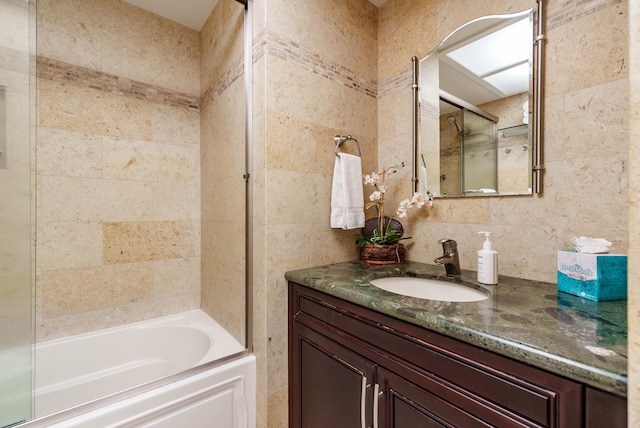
(487, 262)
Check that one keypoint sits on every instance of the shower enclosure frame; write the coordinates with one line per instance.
(247, 176)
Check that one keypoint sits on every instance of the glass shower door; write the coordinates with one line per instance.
(16, 101)
(223, 145)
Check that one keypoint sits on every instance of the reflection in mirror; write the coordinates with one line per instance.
(475, 90)
(468, 151)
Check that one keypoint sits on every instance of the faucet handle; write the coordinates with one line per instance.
(449, 246)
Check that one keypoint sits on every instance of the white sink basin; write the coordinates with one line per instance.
(430, 289)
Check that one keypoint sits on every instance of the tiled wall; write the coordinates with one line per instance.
(589, 174)
(586, 148)
(585, 130)
(118, 166)
(634, 215)
(223, 165)
(315, 76)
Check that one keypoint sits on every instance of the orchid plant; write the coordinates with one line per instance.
(384, 233)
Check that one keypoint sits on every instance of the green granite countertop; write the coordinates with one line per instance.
(526, 320)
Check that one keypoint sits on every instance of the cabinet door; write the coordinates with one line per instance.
(331, 386)
(604, 409)
(403, 404)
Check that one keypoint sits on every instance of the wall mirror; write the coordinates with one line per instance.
(477, 110)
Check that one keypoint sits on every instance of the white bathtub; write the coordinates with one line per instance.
(75, 370)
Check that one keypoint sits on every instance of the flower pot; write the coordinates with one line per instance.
(382, 254)
(372, 224)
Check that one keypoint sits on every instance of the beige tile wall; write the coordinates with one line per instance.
(589, 164)
(586, 149)
(634, 215)
(315, 77)
(118, 166)
(586, 131)
(223, 165)
(260, 280)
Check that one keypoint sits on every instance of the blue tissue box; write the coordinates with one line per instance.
(593, 276)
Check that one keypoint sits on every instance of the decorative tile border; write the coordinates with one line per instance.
(258, 48)
(266, 43)
(399, 81)
(429, 110)
(233, 73)
(59, 71)
(570, 10)
(270, 43)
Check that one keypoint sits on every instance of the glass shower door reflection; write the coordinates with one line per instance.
(16, 325)
(479, 155)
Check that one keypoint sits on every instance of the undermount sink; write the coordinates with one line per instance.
(431, 289)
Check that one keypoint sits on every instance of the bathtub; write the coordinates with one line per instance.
(88, 367)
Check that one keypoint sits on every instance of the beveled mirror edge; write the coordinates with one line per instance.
(537, 98)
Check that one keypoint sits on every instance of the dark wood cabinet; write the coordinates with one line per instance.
(604, 409)
(404, 403)
(353, 367)
(331, 374)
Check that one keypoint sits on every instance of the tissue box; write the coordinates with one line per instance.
(593, 276)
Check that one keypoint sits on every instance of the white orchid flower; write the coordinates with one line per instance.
(375, 196)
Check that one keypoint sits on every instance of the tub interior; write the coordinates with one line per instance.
(74, 370)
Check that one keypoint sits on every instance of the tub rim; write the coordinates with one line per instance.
(203, 365)
(89, 406)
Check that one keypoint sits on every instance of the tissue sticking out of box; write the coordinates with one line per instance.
(584, 244)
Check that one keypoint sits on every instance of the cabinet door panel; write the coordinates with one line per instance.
(332, 383)
(605, 410)
(403, 404)
(407, 414)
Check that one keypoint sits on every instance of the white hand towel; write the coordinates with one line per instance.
(347, 196)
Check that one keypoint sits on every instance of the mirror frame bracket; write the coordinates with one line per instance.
(538, 98)
(416, 125)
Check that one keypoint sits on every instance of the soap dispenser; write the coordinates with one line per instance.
(487, 262)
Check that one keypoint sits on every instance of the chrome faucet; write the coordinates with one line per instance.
(449, 258)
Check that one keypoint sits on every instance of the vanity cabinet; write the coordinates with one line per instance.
(353, 367)
(336, 383)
